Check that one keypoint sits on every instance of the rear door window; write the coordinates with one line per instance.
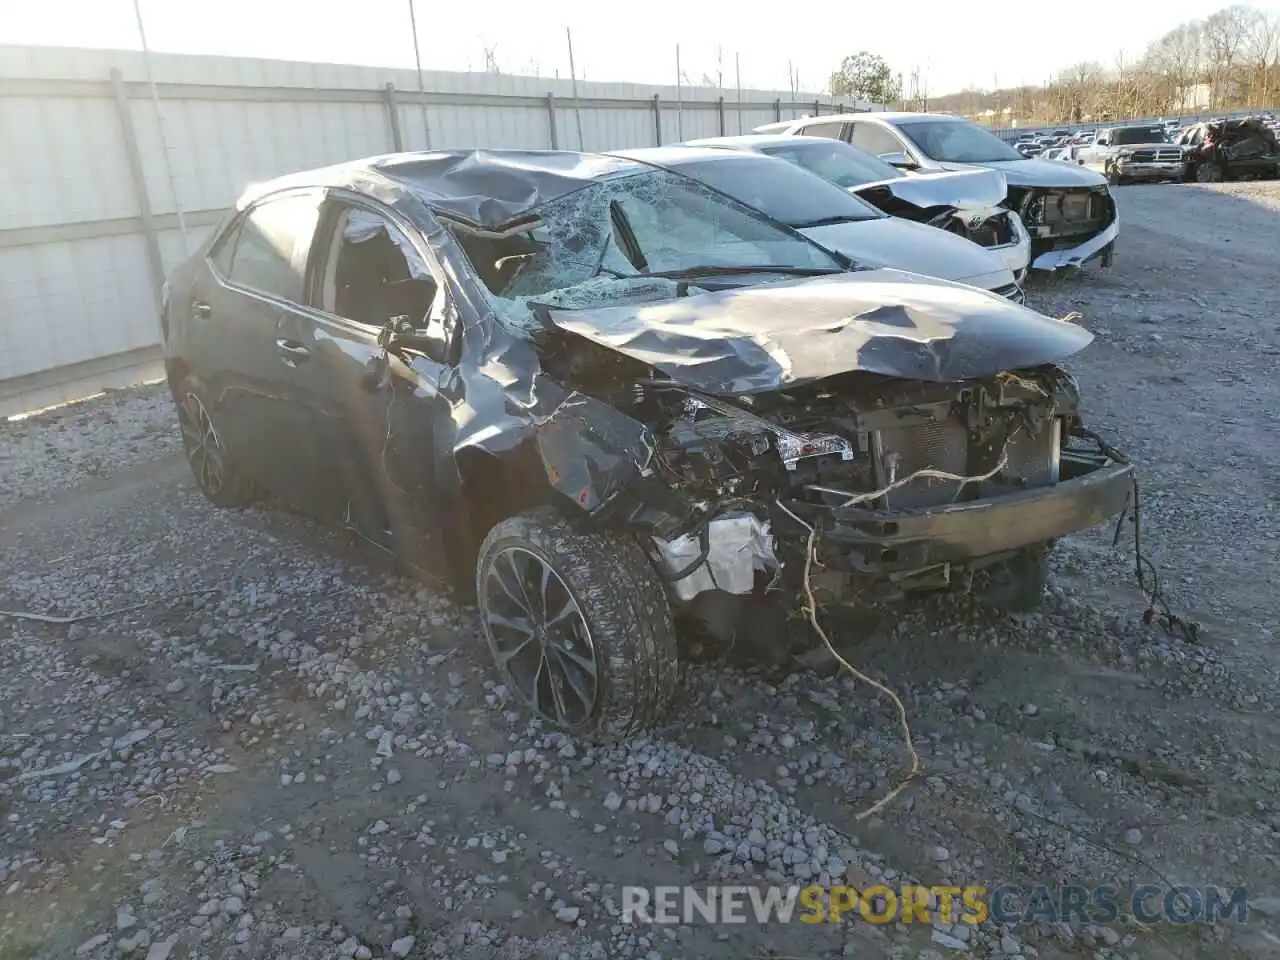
(267, 248)
(875, 140)
(832, 131)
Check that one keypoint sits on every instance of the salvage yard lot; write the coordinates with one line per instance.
(282, 749)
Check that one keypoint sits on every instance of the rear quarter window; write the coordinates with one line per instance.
(266, 249)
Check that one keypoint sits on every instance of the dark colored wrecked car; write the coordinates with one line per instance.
(1224, 149)
(612, 401)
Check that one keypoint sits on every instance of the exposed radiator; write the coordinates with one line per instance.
(938, 445)
(1033, 461)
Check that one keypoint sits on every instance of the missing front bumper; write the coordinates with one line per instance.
(1099, 245)
(886, 543)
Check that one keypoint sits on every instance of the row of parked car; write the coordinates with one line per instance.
(622, 399)
(1208, 151)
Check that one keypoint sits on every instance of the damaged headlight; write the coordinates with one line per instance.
(794, 447)
(791, 447)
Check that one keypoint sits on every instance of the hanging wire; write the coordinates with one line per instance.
(160, 125)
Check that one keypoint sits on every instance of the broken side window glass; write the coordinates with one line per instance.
(374, 273)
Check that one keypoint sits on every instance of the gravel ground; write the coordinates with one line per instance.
(279, 748)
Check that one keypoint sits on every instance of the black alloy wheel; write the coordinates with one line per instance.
(539, 638)
(218, 478)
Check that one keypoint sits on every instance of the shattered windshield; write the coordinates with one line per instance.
(837, 162)
(639, 227)
(957, 141)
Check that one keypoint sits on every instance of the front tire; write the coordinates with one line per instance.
(219, 479)
(578, 624)
(1209, 172)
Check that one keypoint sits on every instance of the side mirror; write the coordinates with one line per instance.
(900, 160)
(410, 300)
(410, 328)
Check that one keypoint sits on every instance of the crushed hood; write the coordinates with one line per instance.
(776, 335)
(1034, 172)
(962, 189)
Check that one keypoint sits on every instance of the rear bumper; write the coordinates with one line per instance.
(887, 542)
(1096, 246)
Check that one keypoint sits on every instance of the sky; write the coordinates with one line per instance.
(954, 45)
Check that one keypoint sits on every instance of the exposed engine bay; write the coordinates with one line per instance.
(747, 468)
(855, 434)
(1062, 217)
(865, 443)
(893, 446)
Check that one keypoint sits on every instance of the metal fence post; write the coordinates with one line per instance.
(720, 107)
(839, 108)
(777, 109)
(155, 263)
(551, 121)
(393, 115)
(657, 121)
(817, 109)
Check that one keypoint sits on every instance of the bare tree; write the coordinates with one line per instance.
(1225, 35)
(1233, 54)
(1262, 53)
(1178, 59)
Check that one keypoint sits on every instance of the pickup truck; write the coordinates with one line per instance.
(1134, 153)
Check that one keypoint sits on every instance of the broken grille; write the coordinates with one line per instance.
(1068, 212)
(996, 231)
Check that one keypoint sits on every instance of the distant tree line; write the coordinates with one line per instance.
(1228, 61)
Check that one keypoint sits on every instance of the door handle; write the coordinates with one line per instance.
(200, 310)
(294, 352)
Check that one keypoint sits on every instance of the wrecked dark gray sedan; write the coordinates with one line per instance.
(621, 408)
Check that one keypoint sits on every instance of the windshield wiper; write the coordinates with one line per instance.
(828, 221)
(717, 270)
(627, 237)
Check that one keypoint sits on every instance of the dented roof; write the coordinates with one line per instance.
(485, 188)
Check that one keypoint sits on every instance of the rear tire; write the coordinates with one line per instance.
(221, 481)
(578, 624)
